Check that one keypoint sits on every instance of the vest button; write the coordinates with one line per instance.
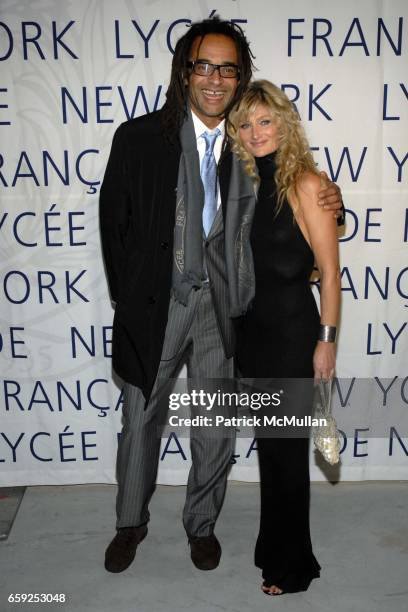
(164, 245)
(206, 244)
(151, 299)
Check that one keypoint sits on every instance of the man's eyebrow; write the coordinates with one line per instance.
(208, 61)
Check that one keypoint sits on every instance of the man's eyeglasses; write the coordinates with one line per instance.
(226, 71)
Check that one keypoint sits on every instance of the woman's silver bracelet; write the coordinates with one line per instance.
(327, 333)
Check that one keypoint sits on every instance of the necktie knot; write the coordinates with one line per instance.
(210, 139)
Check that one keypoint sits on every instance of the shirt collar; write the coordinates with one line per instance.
(200, 127)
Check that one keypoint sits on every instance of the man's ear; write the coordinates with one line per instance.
(185, 79)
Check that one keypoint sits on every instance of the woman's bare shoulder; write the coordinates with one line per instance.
(309, 183)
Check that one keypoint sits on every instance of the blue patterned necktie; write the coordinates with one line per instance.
(209, 178)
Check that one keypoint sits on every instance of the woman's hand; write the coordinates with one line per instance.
(324, 360)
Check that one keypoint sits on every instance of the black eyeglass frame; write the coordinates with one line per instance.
(191, 64)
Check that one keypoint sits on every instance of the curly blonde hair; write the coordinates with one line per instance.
(293, 156)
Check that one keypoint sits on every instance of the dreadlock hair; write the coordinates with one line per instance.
(174, 110)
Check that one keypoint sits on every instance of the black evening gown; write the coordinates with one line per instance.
(276, 339)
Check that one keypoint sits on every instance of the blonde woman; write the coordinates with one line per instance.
(283, 335)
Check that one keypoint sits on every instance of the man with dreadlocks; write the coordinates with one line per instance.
(175, 207)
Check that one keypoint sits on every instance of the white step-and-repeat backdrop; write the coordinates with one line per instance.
(71, 72)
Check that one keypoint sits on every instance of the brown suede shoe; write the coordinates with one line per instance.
(122, 550)
(205, 551)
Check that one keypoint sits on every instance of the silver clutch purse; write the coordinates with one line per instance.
(326, 436)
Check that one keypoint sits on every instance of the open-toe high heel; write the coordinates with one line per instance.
(266, 589)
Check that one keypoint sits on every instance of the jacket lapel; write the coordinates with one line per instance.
(224, 177)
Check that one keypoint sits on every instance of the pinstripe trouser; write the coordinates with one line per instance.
(200, 347)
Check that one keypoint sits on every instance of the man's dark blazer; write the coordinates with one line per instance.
(137, 215)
